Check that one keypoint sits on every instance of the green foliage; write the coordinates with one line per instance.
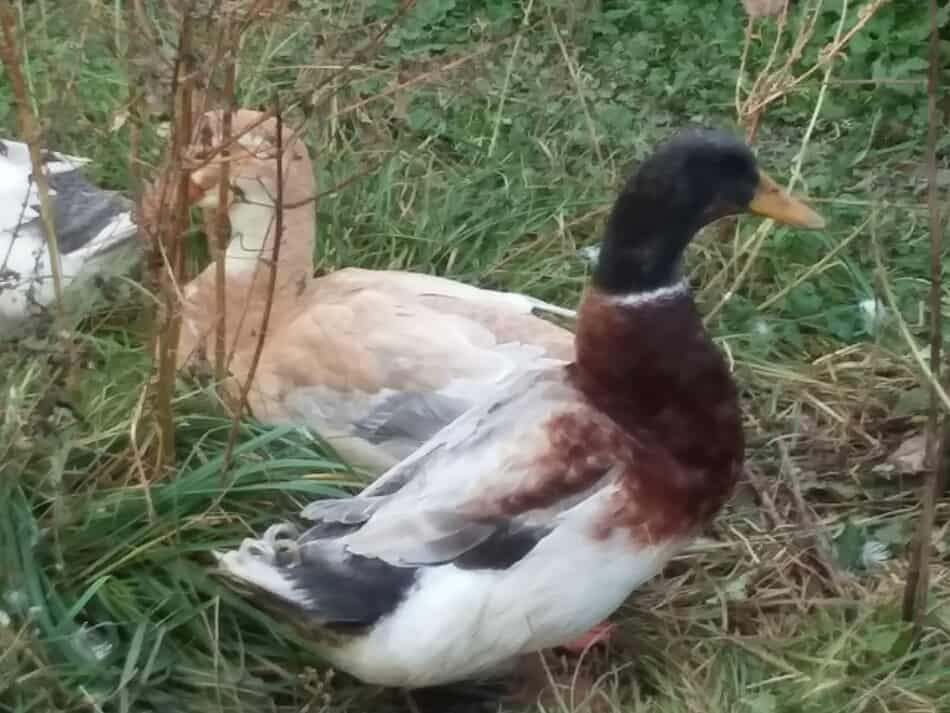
(131, 616)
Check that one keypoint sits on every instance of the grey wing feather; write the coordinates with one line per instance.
(436, 537)
(345, 511)
(82, 211)
(412, 416)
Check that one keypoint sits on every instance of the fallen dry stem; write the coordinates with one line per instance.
(503, 96)
(140, 433)
(259, 10)
(751, 118)
(309, 106)
(913, 348)
(574, 71)
(337, 187)
(817, 267)
(782, 82)
(425, 76)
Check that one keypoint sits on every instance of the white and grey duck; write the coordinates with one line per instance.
(95, 234)
(530, 519)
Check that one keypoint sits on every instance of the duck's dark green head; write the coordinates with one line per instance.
(687, 182)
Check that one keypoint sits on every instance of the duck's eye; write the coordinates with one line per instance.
(238, 193)
(735, 166)
(206, 135)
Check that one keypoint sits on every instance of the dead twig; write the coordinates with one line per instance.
(171, 245)
(918, 574)
(221, 233)
(268, 305)
(755, 244)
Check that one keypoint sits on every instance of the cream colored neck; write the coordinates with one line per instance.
(248, 263)
(251, 249)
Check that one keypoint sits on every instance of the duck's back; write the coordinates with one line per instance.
(379, 361)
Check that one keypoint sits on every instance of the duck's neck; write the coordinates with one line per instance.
(251, 249)
(248, 264)
(642, 246)
(645, 359)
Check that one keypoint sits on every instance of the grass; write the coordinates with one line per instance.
(497, 172)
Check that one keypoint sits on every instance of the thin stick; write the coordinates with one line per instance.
(309, 106)
(30, 132)
(918, 575)
(909, 340)
(138, 441)
(420, 78)
(827, 55)
(221, 218)
(750, 119)
(271, 288)
(743, 60)
(337, 187)
(168, 342)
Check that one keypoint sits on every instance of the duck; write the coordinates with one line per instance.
(374, 361)
(95, 230)
(527, 521)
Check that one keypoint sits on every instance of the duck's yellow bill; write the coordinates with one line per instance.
(771, 201)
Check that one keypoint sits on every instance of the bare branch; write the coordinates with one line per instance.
(221, 216)
(918, 575)
(268, 305)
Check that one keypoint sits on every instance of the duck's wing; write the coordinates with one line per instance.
(510, 316)
(90, 225)
(480, 495)
(373, 366)
(86, 218)
(20, 197)
(506, 466)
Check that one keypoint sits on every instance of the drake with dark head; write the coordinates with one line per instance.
(534, 515)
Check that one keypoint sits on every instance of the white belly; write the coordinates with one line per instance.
(459, 624)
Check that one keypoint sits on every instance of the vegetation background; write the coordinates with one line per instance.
(483, 139)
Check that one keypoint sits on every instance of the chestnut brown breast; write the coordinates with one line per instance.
(652, 369)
